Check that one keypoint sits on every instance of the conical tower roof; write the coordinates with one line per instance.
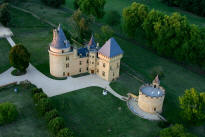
(59, 39)
(111, 48)
(92, 43)
(156, 80)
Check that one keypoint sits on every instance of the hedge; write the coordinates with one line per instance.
(56, 124)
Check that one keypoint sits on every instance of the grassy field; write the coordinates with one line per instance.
(28, 123)
(118, 5)
(90, 114)
(4, 52)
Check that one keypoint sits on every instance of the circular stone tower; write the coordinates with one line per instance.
(151, 97)
(59, 51)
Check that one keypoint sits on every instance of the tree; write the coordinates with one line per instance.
(192, 106)
(133, 16)
(175, 131)
(43, 106)
(65, 132)
(53, 3)
(8, 113)
(92, 7)
(81, 25)
(19, 57)
(106, 33)
(51, 115)
(4, 14)
(76, 4)
(56, 124)
(112, 18)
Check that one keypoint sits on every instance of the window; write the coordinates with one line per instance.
(92, 62)
(98, 63)
(103, 73)
(93, 56)
(63, 73)
(80, 55)
(87, 68)
(104, 65)
(87, 61)
(97, 70)
(80, 70)
(67, 58)
(67, 65)
(110, 67)
(113, 74)
(118, 65)
(80, 62)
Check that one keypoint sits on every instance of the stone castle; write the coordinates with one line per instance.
(66, 60)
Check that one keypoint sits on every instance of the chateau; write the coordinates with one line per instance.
(67, 60)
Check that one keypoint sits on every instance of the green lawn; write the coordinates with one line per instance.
(90, 114)
(118, 5)
(4, 52)
(28, 123)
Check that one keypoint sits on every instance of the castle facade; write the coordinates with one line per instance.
(66, 60)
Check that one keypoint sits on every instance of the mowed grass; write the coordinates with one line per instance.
(4, 52)
(90, 114)
(34, 35)
(28, 123)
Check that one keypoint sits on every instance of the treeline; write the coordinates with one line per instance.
(195, 6)
(170, 36)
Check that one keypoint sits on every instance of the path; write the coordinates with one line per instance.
(5, 32)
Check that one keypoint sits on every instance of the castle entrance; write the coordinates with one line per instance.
(92, 71)
(68, 74)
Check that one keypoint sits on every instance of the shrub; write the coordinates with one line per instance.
(112, 18)
(56, 124)
(8, 113)
(19, 57)
(157, 71)
(36, 90)
(43, 106)
(65, 132)
(51, 115)
(4, 14)
(38, 96)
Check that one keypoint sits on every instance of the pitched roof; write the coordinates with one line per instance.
(156, 80)
(59, 39)
(92, 43)
(111, 48)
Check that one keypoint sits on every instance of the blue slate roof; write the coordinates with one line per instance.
(92, 43)
(83, 52)
(111, 48)
(152, 92)
(59, 39)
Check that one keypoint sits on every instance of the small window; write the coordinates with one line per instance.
(104, 65)
(97, 70)
(63, 73)
(67, 58)
(92, 62)
(118, 65)
(93, 56)
(87, 61)
(110, 67)
(80, 62)
(113, 74)
(98, 63)
(80, 70)
(87, 68)
(67, 65)
(103, 73)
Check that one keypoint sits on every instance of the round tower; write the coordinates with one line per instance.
(59, 51)
(151, 97)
